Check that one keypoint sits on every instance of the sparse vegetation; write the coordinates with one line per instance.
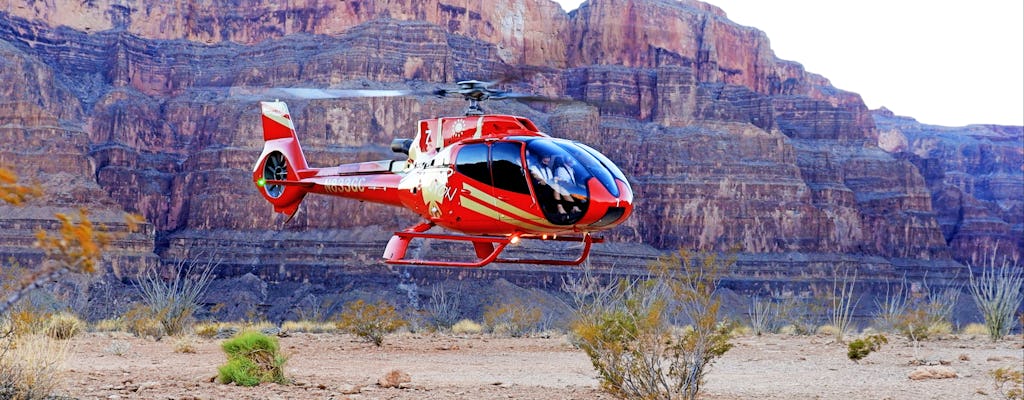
(627, 330)
(139, 321)
(842, 302)
(108, 325)
(860, 348)
(516, 318)
(173, 302)
(370, 321)
(118, 348)
(802, 314)
(891, 306)
(467, 326)
(444, 307)
(1009, 383)
(998, 291)
(30, 362)
(308, 326)
(253, 358)
(185, 344)
(764, 316)
(64, 326)
(30, 366)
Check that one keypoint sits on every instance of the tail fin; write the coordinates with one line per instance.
(282, 165)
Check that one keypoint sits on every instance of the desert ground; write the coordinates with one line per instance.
(445, 366)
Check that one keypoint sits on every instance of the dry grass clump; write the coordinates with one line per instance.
(308, 326)
(141, 322)
(185, 344)
(467, 327)
(208, 329)
(64, 326)
(108, 325)
(30, 366)
(974, 329)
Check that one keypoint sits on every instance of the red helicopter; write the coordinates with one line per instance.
(495, 179)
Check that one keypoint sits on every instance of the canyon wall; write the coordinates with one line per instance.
(126, 106)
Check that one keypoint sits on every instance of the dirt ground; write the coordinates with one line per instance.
(337, 366)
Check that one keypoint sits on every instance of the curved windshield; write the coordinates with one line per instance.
(559, 172)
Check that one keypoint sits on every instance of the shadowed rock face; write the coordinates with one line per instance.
(975, 179)
(726, 144)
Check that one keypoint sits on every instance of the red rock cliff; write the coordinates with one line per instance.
(726, 144)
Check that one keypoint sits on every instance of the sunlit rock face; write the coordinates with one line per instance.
(127, 106)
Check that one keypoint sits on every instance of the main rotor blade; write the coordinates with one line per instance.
(528, 97)
(315, 94)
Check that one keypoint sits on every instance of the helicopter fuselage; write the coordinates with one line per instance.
(495, 175)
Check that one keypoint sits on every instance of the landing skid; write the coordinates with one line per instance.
(488, 248)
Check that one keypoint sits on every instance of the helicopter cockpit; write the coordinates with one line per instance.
(559, 171)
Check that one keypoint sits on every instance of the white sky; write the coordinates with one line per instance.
(942, 62)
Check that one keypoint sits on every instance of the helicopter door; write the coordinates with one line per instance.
(511, 192)
(495, 187)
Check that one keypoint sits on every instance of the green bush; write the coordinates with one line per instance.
(860, 348)
(370, 321)
(253, 358)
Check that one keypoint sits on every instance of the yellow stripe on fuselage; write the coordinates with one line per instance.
(514, 215)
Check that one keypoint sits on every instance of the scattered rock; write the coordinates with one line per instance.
(394, 379)
(347, 388)
(932, 372)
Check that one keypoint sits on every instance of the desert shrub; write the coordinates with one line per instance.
(841, 302)
(626, 328)
(253, 358)
(444, 308)
(891, 306)
(926, 315)
(27, 319)
(312, 308)
(108, 325)
(467, 326)
(118, 348)
(185, 344)
(764, 316)
(370, 321)
(998, 292)
(1009, 383)
(173, 302)
(860, 348)
(802, 314)
(140, 322)
(30, 366)
(515, 319)
(64, 326)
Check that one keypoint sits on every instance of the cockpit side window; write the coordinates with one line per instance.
(472, 162)
(558, 181)
(507, 167)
